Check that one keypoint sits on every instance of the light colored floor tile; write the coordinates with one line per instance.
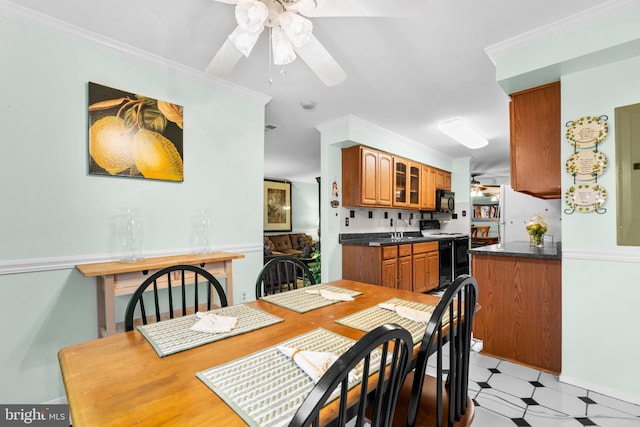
(512, 385)
(501, 403)
(547, 420)
(486, 418)
(564, 403)
(616, 422)
(551, 381)
(620, 405)
(518, 371)
(479, 374)
(477, 359)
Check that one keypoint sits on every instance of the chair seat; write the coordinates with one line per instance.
(427, 411)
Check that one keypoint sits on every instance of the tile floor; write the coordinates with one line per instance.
(507, 395)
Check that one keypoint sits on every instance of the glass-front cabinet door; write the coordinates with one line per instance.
(414, 185)
(400, 168)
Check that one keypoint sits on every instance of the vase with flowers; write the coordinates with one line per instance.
(536, 229)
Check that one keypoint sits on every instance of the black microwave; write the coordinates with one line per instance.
(445, 201)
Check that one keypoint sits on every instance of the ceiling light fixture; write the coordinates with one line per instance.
(462, 132)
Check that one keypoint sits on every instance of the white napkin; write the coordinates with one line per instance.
(214, 323)
(407, 312)
(313, 363)
(330, 295)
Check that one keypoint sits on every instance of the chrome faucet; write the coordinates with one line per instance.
(398, 234)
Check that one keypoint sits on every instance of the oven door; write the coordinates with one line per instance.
(460, 256)
(445, 262)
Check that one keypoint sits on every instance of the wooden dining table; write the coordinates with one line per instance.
(120, 380)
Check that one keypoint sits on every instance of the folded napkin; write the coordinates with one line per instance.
(407, 312)
(214, 323)
(330, 295)
(313, 363)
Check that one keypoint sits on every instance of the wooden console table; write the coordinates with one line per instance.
(117, 278)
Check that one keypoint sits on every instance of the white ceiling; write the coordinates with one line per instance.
(404, 74)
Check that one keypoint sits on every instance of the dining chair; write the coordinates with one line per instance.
(281, 274)
(396, 352)
(426, 400)
(173, 289)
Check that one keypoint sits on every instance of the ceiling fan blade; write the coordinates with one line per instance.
(227, 1)
(226, 58)
(321, 62)
(371, 8)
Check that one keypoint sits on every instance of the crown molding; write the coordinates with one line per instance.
(580, 19)
(354, 120)
(55, 26)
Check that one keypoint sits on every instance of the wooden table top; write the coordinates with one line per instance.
(120, 380)
(153, 263)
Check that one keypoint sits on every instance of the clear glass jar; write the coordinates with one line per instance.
(536, 229)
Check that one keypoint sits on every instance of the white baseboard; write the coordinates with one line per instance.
(616, 394)
(62, 400)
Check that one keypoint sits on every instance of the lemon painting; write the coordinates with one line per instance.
(133, 135)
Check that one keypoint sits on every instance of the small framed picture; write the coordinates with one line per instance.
(277, 205)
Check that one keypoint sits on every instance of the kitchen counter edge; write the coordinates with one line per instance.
(376, 239)
(520, 249)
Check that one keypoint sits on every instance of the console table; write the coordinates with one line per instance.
(117, 278)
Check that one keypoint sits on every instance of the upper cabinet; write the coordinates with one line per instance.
(443, 180)
(535, 141)
(375, 178)
(428, 189)
(367, 177)
(406, 183)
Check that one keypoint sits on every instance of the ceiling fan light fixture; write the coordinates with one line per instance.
(297, 28)
(281, 47)
(459, 130)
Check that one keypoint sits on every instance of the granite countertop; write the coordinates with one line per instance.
(384, 239)
(520, 249)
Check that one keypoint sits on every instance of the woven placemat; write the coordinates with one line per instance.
(266, 388)
(174, 335)
(372, 317)
(300, 301)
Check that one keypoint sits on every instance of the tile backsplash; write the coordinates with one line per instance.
(378, 220)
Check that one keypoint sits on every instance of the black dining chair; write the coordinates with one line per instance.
(177, 291)
(428, 401)
(283, 273)
(396, 352)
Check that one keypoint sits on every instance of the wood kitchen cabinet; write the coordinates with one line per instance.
(443, 180)
(406, 183)
(367, 177)
(428, 188)
(405, 267)
(412, 267)
(535, 141)
(425, 266)
(521, 315)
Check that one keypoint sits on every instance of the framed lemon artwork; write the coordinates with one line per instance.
(132, 135)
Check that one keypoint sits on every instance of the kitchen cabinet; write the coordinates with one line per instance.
(412, 267)
(405, 267)
(406, 183)
(443, 180)
(425, 266)
(535, 129)
(428, 188)
(373, 178)
(367, 177)
(521, 300)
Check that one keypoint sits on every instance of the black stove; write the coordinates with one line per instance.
(452, 252)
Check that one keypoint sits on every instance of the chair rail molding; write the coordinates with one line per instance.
(32, 265)
(595, 255)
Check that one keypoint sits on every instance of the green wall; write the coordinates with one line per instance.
(55, 215)
(598, 66)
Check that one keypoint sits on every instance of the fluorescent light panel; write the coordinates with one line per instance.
(462, 132)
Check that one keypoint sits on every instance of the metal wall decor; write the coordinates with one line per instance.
(586, 165)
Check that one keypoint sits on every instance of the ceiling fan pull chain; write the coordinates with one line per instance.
(270, 58)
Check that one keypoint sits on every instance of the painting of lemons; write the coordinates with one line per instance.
(133, 135)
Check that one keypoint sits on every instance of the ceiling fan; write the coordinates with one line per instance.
(290, 31)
